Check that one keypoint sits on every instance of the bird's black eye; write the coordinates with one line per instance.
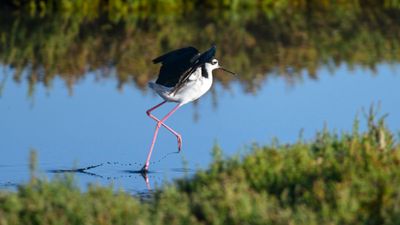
(214, 62)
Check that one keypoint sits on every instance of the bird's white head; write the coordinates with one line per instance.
(210, 66)
(213, 64)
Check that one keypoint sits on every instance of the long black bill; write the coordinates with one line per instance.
(222, 68)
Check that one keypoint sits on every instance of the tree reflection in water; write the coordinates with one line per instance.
(256, 43)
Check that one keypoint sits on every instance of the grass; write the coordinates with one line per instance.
(351, 178)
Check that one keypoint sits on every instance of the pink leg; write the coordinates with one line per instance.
(177, 135)
(146, 165)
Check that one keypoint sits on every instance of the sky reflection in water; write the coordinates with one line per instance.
(99, 124)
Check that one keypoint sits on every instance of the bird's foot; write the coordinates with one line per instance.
(144, 169)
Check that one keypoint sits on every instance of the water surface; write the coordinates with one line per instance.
(75, 91)
(98, 124)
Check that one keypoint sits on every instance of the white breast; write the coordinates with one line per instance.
(194, 88)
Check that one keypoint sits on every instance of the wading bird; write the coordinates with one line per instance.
(185, 75)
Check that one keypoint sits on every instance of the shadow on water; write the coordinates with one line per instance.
(78, 170)
(107, 172)
(121, 174)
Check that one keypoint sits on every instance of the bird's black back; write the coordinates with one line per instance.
(179, 64)
(174, 65)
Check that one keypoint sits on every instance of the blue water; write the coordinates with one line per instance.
(99, 124)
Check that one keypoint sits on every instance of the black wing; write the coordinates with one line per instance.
(197, 61)
(175, 64)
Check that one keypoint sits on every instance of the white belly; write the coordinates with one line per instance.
(192, 90)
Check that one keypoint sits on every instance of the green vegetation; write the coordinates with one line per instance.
(352, 178)
(268, 38)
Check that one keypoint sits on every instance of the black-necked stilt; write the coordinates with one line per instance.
(185, 75)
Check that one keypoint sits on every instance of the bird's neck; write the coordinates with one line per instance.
(206, 71)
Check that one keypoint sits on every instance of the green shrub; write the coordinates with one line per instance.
(352, 178)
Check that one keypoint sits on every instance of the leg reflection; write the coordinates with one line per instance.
(146, 180)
